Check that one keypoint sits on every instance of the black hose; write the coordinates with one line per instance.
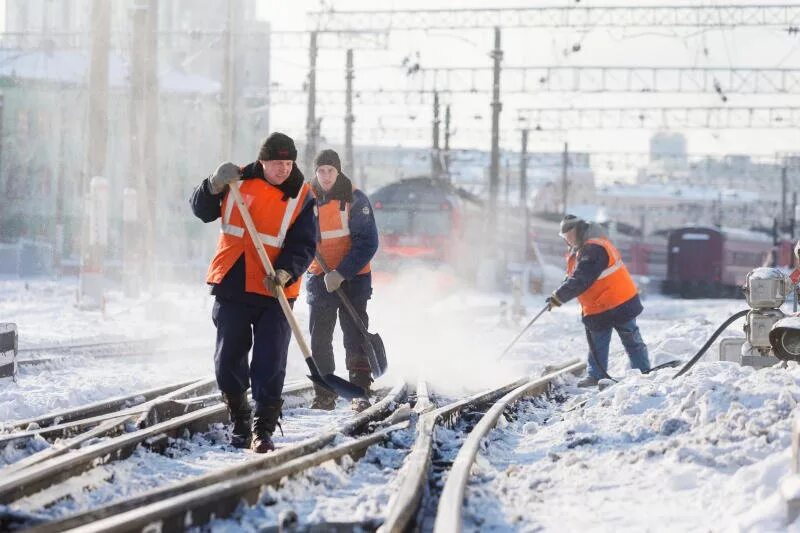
(709, 342)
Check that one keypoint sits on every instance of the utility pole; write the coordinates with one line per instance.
(435, 166)
(348, 114)
(494, 168)
(564, 180)
(447, 142)
(98, 93)
(94, 187)
(311, 116)
(523, 194)
(784, 218)
(140, 197)
(228, 89)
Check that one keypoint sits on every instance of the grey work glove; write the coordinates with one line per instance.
(225, 174)
(281, 278)
(333, 280)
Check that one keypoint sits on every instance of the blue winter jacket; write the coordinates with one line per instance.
(298, 247)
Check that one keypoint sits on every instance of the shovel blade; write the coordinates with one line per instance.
(335, 384)
(376, 354)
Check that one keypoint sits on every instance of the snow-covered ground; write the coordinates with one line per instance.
(705, 452)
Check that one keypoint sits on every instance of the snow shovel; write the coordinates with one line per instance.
(371, 342)
(521, 333)
(332, 382)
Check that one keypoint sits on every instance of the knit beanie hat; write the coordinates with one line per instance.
(568, 223)
(278, 146)
(328, 157)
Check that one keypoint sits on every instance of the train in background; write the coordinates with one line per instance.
(428, 222)
(434, 223)
(704, 262)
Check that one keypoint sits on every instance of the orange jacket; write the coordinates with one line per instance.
(272, 216)
(612, 288)
(335, 241)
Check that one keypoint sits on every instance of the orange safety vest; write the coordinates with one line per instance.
(612, 288)
(335, 241)
(272, 217)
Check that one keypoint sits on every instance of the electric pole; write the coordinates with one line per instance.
(494, 169)
(348, 115)
(228, 89)
(447, 142)
(311, 116)
(784, 218)
(94, 186)
(98, 93)
(523, 194)
(564, 180)
(435, 166)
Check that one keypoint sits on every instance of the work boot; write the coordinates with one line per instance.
(323, 399)
(265, 419)
(363, 379)
(588, 381)
(239, 412)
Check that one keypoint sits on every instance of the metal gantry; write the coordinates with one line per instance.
(729, 117)
(622, 79)
(576, 16)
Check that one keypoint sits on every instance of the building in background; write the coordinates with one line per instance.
(44, 60)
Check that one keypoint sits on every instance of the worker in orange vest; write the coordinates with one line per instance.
(607, 295)
(246, 311)
(347, 241)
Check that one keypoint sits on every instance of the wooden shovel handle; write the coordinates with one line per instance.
(262, 254)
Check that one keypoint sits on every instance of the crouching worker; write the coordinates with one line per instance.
(246, 311)
(606, 292)
(348, 238)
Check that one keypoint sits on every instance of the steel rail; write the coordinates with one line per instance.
(448, 513)
(96, 408)
(404, 506)
(77, 425)
(55, 470)
(194, 502)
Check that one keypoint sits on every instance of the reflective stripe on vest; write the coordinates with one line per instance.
(275, 241)
(344, 231)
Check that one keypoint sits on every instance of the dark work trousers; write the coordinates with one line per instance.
(243, 326)
(322, 321)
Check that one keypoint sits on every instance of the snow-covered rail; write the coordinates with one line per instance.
(448, 515)
(98, 408)
(21, 482)
(406, 505)
(216, 495)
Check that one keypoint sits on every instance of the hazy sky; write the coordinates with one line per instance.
(607, 47)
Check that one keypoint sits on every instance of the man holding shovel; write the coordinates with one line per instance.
(246, 311)
(348, 239)
(606, 292)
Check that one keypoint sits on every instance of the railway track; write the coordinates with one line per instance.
(57, 353)
(431, 479)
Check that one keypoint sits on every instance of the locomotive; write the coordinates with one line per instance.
(426, 221)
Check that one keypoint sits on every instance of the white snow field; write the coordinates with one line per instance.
(703, 452)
